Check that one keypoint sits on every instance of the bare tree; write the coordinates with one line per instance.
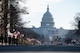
(77, 26)
(77, 23)
(15, 11)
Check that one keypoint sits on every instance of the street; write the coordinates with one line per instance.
(39, 48)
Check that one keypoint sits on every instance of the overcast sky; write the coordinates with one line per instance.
(63, 12)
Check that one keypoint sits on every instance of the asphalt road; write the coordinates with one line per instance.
(39, 48)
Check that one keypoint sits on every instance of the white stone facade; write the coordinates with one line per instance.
(47, 28)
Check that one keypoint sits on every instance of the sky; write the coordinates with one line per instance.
(63, 12)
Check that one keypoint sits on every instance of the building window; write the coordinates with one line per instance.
(56, 32)
(51, 31)
(47, 24)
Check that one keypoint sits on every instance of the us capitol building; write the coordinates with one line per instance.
(47, 29)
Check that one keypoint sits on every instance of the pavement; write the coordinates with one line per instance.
(39, 48)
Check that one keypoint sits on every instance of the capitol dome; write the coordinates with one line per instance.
(47, 19)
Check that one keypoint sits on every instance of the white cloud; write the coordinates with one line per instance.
(58, 1)
(53, 1)
(38, 4)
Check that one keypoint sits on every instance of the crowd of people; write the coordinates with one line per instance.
(17, 38)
